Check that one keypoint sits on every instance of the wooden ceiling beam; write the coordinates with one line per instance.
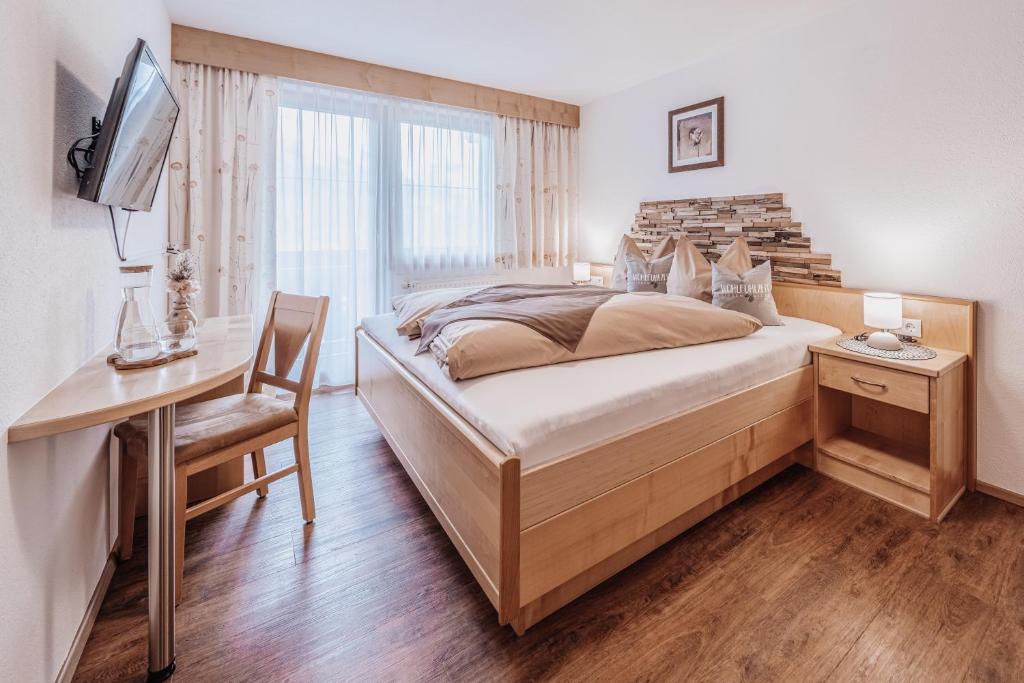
(233, 52)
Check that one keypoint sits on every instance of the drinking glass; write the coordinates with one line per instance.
(177, 335)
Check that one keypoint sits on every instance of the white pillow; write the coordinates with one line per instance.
(749, 292)
(690, 274)
(627, 245)
(412, 309)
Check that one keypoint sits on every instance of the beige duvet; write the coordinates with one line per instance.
(626, 323)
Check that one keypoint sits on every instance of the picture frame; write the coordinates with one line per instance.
(696, 136)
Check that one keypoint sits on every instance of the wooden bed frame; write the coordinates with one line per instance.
(538, 538)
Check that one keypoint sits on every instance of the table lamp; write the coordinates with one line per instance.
(581, 273)
(885, 311)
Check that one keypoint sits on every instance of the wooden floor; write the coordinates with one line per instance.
(802, 579)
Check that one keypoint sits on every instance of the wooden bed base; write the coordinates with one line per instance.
(538, 538)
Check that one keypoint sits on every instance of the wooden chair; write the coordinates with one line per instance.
(213, 432)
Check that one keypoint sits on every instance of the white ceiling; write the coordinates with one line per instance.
(569, 50)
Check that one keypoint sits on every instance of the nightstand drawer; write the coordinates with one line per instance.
(871, 381)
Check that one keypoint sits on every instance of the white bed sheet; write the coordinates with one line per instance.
(542, 413)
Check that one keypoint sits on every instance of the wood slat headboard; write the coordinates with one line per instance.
(713, 223)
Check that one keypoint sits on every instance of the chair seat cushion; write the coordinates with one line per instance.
(209, 426)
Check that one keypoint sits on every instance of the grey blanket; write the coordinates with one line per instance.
(561, 313)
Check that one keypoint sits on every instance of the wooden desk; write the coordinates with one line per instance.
(96, 394)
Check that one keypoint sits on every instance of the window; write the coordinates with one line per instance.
(447, 194)
(373, 188)
(323, 184)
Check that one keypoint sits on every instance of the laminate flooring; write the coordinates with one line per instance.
(803, 579)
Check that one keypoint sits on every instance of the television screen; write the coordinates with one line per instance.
(134, 138)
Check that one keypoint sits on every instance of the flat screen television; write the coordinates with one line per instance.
(134, 137)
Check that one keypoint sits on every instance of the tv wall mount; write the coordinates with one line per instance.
(86, 147)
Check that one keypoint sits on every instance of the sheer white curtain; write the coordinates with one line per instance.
(446, 158)
(328, 211)
(537, 193)
(222, 176)
(372, 189)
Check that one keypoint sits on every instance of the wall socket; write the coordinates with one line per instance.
(911, 327)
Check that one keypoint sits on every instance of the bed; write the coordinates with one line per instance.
(603, 460)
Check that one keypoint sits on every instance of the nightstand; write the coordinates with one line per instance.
(892, 428)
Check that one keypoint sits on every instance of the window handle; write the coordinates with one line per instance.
(861, 380)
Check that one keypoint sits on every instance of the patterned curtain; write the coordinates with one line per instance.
(537, 197)
(222, 175)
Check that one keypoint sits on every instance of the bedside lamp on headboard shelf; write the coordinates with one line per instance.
(581, 273)
(884, 311)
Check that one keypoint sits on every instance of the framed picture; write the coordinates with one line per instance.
(696, 136)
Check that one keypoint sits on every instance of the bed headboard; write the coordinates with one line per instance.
(946, 323)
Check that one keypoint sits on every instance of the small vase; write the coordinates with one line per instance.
(180, 310)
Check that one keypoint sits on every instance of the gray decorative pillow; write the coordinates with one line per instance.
(749, 293)
(647, 276)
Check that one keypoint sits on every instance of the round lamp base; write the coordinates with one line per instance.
(886, 341)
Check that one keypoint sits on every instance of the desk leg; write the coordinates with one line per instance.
(161, 543)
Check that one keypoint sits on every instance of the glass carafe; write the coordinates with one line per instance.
(136, 337)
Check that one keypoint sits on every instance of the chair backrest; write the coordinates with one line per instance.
(291, 320)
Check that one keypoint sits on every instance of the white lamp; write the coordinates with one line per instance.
(581, 273)
(885, 311)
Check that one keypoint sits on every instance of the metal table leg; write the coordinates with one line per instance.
(161, 543)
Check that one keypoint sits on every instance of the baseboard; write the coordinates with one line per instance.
(67, 669)
(1000, 493)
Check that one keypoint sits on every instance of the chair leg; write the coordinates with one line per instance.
(259, 468)
(301, 445)
(128, 493)
(180, 503)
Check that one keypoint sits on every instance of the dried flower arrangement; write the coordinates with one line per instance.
(183, 285)
(181, 278)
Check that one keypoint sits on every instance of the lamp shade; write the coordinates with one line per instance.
(883, 310)
(580, 272)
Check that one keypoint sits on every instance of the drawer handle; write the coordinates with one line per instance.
(861, 380)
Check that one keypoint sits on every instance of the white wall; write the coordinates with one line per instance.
(896, 130)
(58, 297)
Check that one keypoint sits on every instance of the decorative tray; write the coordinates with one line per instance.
(164, 358)
(908, 352)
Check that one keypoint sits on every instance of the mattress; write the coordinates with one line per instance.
(542, 413)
